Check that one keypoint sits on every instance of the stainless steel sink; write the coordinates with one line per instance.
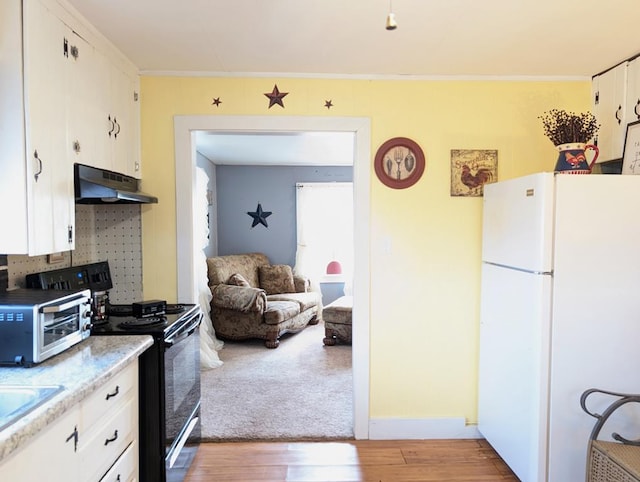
(18, 400)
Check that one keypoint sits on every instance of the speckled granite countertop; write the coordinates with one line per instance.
(80, 369)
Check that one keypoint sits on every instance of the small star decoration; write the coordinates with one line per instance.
(216, 102)
(275, 97)
(328, 104)
(259, 216)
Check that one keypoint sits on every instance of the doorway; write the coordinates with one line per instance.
(184, 132)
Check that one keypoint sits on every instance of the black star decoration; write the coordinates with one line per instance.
(216, 102)
(259, 216)
(328, 104)
(275, 97)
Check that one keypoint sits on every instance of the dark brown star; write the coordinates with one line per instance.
(328, 104)
(275, 97)
(216, 102)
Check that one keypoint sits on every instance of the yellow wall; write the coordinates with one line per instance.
(425, 292)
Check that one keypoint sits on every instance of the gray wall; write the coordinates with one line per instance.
(241, 188)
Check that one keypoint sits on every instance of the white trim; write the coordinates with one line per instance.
(422, 429)
(295, 75)
(184, 127)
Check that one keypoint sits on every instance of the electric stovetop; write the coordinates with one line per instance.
(120, 321)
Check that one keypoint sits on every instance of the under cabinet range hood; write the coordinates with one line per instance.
(99, 186)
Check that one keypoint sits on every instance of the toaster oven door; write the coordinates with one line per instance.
(61, 326)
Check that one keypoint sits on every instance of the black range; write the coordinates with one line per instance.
(169, 381)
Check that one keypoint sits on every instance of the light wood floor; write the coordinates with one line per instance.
(352, 461)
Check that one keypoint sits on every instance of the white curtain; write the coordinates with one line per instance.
(324, 229)
(209, 344)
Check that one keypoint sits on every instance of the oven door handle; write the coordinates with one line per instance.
(185, 332)
(62, 307)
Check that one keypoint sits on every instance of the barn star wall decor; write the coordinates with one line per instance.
(275, 97)
(259, 216)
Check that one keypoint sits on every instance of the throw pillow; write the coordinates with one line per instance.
(276, 279)
(236, 279)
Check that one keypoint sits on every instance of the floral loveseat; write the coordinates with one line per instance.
(254, 299)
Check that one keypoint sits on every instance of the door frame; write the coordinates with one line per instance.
(185, 155)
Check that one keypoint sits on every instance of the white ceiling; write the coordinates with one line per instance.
(434, 37)
(347, 38)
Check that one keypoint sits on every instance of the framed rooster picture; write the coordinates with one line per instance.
(471, 169)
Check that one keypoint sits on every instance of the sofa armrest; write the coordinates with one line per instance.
(301, 283)
(239, 298)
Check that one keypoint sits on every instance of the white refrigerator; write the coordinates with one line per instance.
(560, 313)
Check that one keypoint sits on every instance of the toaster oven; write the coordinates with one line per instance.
(36, 324)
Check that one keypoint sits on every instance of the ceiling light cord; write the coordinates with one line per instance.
(391, 18)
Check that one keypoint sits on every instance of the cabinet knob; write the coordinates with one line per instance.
(76, 147)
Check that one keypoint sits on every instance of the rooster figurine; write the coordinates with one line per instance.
(475, 181)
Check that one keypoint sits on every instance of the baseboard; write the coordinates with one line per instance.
(422, 429)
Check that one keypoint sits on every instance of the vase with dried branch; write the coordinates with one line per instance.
(570, 133)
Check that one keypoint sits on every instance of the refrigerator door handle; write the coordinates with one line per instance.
(546, 273)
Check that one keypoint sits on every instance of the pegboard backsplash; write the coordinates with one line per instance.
(110, 233)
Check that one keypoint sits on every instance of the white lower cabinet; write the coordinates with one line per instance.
(97, 440)
(52, 456)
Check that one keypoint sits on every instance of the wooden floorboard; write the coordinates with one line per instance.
(350, 461)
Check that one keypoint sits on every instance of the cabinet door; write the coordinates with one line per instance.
(117, 126)
(609, 91)
(50, 198)
(122, 97)
(633, 91)
(53, 456)
(83, 68)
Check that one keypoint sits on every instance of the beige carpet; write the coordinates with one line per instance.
(302, 390)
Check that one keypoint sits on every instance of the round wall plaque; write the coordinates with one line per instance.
(399, 163)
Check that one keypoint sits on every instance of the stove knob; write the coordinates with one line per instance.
(88, 313)
(87, 326)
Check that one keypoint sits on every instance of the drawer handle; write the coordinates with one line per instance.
(110, 395)
(112, 439)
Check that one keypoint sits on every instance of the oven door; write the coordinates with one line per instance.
(182, 397)
(62, 324)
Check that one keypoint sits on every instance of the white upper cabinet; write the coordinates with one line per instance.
(123, 118)
(37, 183)
(609, 91)
(633, 91)
(107, 109)
(67, 96)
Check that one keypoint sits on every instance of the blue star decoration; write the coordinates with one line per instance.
(259, 216)
(275, 97)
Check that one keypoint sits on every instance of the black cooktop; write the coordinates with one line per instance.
(120, 321)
